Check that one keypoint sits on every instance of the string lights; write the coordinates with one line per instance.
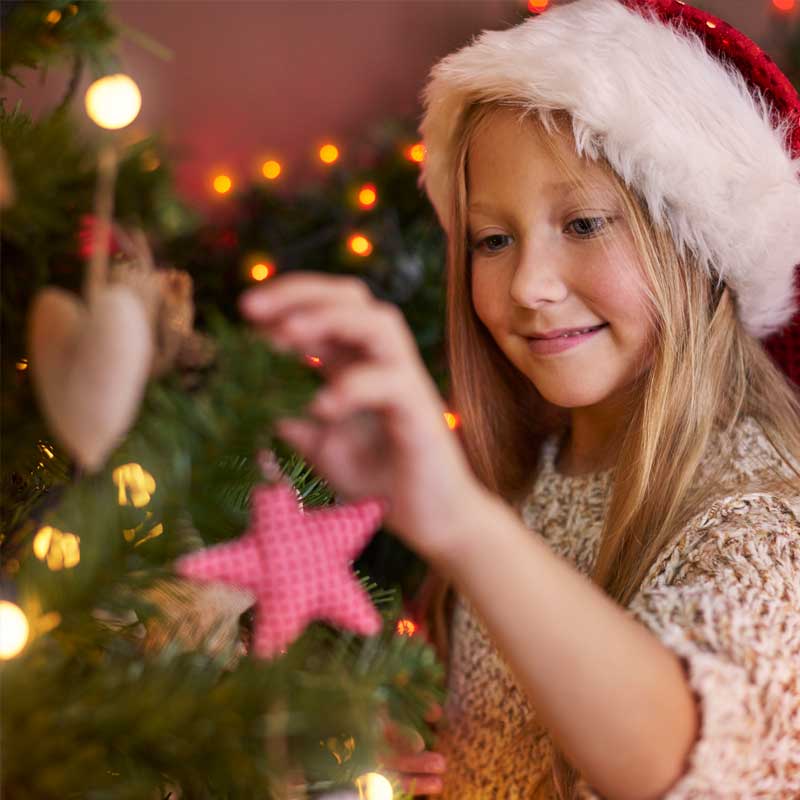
(359, 244)
(222, 183)
(329, 154)
(14, 630)
(113, 102)
(374, 786)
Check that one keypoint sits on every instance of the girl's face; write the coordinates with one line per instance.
(544, 260)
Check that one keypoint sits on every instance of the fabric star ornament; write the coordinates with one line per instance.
(296, 564)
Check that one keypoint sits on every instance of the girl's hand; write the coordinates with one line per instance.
(378, 427)
(419, 771)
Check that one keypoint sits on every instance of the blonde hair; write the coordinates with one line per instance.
(706, 374)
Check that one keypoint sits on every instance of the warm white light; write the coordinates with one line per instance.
(13, 630)
(113, 102)
(136, 485)
(373, 786)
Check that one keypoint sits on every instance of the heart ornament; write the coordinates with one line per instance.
(90, 362)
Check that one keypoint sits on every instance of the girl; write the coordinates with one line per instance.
(621, 522)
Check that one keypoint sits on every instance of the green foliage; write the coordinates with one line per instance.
(90, 708)
(37, 34)
(131, 722)
(53, 170)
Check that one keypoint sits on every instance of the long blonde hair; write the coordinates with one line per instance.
(706, 374)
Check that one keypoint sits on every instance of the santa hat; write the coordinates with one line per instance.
(692, 114)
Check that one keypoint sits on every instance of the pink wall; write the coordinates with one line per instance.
(248, 79)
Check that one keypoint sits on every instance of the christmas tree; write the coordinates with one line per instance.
(140, 659)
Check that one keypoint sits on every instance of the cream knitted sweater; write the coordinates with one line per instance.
(725, 596)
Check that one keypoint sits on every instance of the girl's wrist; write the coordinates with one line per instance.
(468, 533)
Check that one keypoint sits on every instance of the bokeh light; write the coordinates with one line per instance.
(271, 169)
(262, 270)
(329, 153)
(60, 550)
(374, 786)
(359, 244)
(453, 420)
(113, 102)
(14, 630)
(406, 627)
(135, 485)
(222, 184)
(416, 153)
(784, 5)
(537, 6)
(367, 195)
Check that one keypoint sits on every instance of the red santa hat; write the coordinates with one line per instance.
(692, 114)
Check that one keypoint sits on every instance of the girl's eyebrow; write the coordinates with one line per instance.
(566, 187)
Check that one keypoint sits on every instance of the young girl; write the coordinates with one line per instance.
(621, 520)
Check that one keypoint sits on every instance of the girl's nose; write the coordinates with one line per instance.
(537, 279)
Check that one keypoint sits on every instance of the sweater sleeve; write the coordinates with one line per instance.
(726, 599)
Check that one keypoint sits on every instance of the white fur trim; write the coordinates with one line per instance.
(680, 127)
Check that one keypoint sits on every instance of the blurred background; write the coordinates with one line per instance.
(232, 84)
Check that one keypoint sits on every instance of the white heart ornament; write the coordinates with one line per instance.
(90, 366)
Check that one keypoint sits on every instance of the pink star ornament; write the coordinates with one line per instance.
(297, 565)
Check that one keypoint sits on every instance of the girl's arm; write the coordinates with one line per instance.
(612, 696)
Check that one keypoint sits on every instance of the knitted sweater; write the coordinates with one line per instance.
(724, 596)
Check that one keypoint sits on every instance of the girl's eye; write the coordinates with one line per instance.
(583, 227)
(588, 227)
(492, 244)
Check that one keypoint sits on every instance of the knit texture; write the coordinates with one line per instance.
(724, 596)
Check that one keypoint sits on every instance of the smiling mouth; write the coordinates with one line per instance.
(576, 332)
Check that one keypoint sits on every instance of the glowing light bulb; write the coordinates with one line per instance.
(132, 480)
(452, 420)
(60, 550)
(416, 153)
(329, 153)
(14, 630)
(222, 184)
(261, 271)
(359, 245)
(406, 627)
(53, 17)
(367, 196)
(374, 786)
(113, 102)
(537, 6)
(270, 170)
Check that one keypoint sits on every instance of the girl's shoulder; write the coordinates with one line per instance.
(747, 538)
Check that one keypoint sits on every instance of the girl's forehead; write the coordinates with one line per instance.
(505, 142)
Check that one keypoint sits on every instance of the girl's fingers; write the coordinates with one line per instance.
(421, 784)
(402, 738)
(377, 330)
(360, 388)
(301, 434)
(264, 304)
(425, 763)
